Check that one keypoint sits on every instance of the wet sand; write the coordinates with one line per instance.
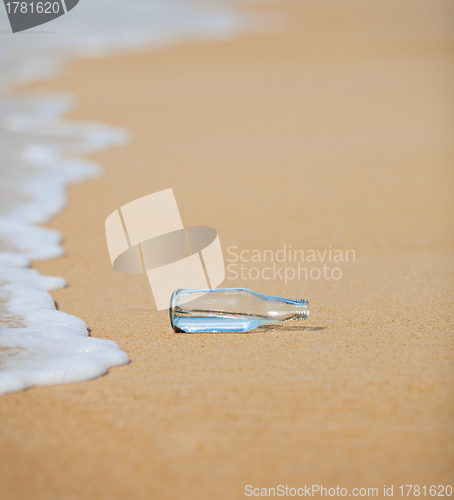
(337, 131)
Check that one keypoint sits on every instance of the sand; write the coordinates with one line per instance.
(337, 131)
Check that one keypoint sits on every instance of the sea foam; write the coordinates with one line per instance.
(38, 344)
(40, 155)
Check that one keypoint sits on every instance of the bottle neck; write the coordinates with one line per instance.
(300, 309)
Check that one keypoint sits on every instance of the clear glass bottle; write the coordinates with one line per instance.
(230, 310)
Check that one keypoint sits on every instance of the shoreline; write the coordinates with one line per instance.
(239, 129)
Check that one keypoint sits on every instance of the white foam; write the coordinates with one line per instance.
(42, 345)
(40, 156)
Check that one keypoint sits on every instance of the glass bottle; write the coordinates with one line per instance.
(230, 310)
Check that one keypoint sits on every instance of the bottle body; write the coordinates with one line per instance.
(230, 310)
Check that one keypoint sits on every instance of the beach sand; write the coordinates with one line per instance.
(334, 131)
